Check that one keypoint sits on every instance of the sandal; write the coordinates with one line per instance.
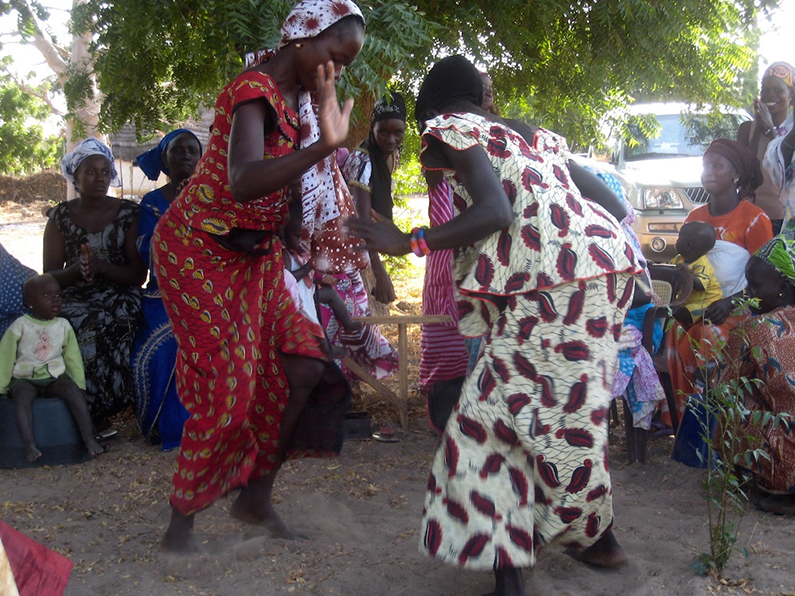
(385, 434)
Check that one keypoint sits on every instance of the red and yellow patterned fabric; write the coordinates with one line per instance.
(206, 203)
(773, 364)
(231, 313)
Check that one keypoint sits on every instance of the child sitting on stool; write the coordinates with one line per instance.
(696, 239)
(39, 356)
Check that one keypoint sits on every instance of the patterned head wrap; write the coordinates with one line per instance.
(388, 109)
(783, 71)
(309, 18)
(152, 162)
(451, 79)
(90, 146)
(747, 165)
(779, 252)
(323, 189)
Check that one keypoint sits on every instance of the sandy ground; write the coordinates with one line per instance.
(361, 514)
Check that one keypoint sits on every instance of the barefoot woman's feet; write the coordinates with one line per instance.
(265, 517)
(32, 453)
(179, 536)
(181, 544)
(606, 552)
(94, 448)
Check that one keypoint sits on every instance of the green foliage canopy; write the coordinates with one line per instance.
(560, 63)
(25, 148)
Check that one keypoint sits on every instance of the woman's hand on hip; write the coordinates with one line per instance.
(379, 234)
(332, 119)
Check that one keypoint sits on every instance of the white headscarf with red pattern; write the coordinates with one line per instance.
(322, 184)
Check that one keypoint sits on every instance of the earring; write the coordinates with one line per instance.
(299, 45)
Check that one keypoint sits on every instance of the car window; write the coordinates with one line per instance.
(652, 136)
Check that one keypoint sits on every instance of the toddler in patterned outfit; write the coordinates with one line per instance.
(39, 356)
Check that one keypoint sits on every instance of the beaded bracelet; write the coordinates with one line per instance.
(414, 243)
(421, 241)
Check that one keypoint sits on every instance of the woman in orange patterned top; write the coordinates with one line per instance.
(731, 176)
(249, 365)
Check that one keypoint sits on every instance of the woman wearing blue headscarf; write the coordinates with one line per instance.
(159, 413)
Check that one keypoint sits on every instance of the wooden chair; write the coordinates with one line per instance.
(671, 285)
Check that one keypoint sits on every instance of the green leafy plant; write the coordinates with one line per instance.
(731, 451)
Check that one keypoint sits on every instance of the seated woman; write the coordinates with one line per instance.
(771, 279)
(157, 409)
(14, 275)
(731, 175)
(89, 248)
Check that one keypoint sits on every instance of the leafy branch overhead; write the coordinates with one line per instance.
(560, 63)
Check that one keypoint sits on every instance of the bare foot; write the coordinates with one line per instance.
(179, 536)
(94, 448)
(184, 544)
(32, 453)
(606, 552)
(268, 519)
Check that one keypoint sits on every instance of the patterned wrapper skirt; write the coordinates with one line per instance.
(231, 313)
(523, 460)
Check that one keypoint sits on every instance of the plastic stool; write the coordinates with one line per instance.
(54, 430)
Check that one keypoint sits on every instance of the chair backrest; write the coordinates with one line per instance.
(678, 276)
(662, 291)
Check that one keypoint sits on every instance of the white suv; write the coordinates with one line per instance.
(661, 173)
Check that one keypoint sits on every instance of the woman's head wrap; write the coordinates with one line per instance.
(779, 253)
(381, 177)
(152, 162)
(309, 18)
(90, 146)
(323, 189)
(746, 163)
(783, 71)
(388, 108)
(451, 79)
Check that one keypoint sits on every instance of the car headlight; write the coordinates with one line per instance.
(661, 198)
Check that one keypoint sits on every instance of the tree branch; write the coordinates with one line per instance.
(35, 93)
(52, 54)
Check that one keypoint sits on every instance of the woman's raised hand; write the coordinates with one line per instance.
(379, 234)
(762, 116)
(333, 121)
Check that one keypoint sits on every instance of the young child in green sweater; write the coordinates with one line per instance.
(39, 356)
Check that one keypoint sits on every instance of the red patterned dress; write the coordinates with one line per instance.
(523, 459)
(231, 312)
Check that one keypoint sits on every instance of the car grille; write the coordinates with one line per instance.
(697, 194)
